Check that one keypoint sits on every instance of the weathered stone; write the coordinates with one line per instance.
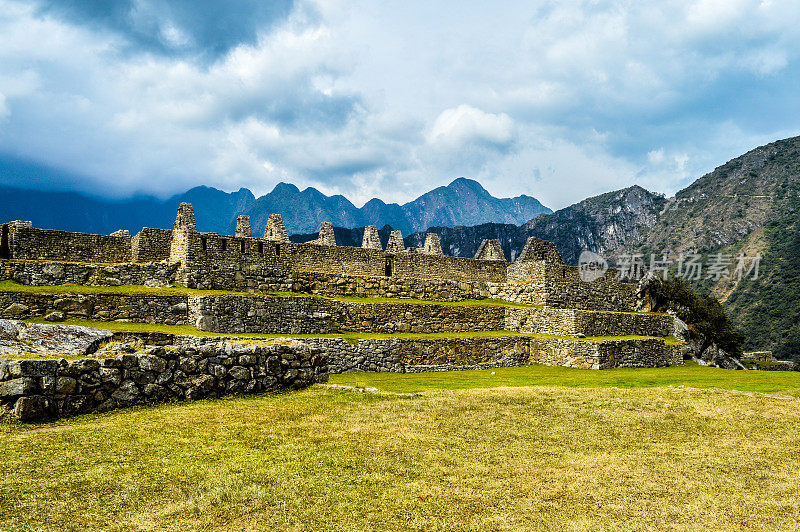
(33, 368)
(111, 375)
(18, 387)
(275, 230)
(371, 239)
(239, 372)
(15, 309)
(66, 385)
(152, 363)
(126, 393)
(56, 315)
(243, 227)
(395, 244)
(31, 408)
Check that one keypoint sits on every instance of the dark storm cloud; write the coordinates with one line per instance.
(205, 27)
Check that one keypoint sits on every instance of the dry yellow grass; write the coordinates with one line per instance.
(524, 458)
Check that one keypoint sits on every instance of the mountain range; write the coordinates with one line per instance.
(462, 202)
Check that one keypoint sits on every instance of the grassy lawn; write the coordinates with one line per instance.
(689, 374)
(561, 456)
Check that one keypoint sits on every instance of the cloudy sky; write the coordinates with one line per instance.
(559, 100)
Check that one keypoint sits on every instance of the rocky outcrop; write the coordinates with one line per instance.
(18, 338)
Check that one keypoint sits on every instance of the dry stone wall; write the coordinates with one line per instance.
(639, 353)
(570, 322)
(332, 284)
(34, 273)
(31, 243)
(168, 310)
(311, 315)
(36, 389)
(560, 286)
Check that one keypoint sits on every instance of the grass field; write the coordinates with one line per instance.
(525, 449)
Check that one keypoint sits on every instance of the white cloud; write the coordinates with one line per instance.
(464, 124)
(557, 100)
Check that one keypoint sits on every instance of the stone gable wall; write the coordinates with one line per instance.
(151, 245)
(31, 390)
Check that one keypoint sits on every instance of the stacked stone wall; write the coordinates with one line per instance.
(35, 389)
(168, 310)
(639, 353)
(31, 243)
(332, 284)
(212, 261)
(34, 273)
(311, 315)
(406, 355)
(571, 322)
(268, 315)
(151, 245)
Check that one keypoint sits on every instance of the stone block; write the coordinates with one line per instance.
(18, 387)
(32, 408)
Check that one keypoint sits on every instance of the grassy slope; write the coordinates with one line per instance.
(478, 459)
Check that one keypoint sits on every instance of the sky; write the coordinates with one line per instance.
(557, 100)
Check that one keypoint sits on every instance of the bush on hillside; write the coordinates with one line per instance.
(704, 314)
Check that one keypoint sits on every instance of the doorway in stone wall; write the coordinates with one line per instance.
(388, 271)
(5, 249)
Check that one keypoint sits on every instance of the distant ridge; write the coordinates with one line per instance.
(462, 202)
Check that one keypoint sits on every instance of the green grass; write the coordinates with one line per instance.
(689, 374)
(526, 458)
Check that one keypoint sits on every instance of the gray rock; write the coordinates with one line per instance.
(239, 372)
(18, 387)
(33, 368)
(66, 385)
(51, 339)
(179, 308)
(205, 383)
(126, 393)
(56, 315)
(15, 309)
(32, 408)
(206, 323)
(152, 363)
(9, 329)
(111, 375)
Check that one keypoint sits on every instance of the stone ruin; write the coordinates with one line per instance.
(432, 245)
(395, 244)
(275, 230)
(545, 314)
(490, 250)
(243, 227)
(326, 236)
(371, 239)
